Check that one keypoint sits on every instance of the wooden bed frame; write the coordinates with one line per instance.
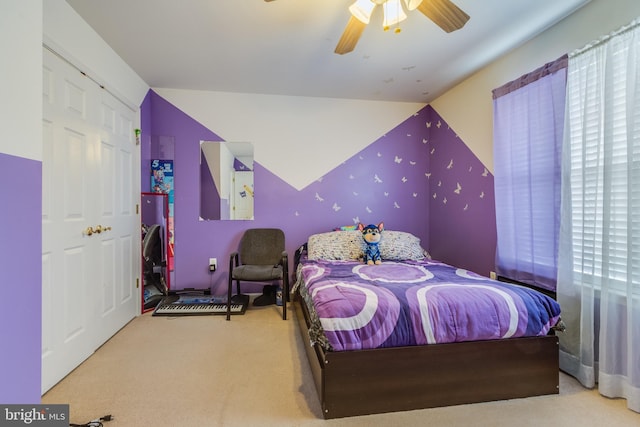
(365, 382)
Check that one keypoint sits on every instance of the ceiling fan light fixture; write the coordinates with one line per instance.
(444, 13)
(362, 9)
(393, 14)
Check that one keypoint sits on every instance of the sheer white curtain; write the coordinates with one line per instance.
(599, 260)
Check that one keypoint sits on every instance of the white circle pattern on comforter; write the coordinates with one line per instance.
(363, 306)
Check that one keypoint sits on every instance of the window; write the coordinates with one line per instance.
(599, 259)
(528, 129)
(603, 141)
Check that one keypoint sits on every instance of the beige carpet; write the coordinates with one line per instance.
(252, 371)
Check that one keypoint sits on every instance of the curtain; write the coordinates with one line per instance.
(599, 260)
(528, 126)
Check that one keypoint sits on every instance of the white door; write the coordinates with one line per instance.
(242, 195)
(89, 168)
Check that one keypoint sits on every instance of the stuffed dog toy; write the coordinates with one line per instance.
(372, 234)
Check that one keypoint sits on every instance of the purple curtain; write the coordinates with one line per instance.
(528, 129)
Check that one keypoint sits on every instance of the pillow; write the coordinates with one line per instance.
(336, 245)
(398, 245)
(349, 245)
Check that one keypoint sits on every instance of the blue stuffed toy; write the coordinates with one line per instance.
(372, 234)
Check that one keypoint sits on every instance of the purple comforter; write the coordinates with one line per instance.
(419, 302)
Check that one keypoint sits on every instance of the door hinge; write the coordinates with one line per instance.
(137, 209)
(137, 282)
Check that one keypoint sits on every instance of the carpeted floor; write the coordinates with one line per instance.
(252, 371)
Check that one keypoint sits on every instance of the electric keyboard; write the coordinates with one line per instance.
(181, 309)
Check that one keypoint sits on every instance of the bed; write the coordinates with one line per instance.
(415, 333)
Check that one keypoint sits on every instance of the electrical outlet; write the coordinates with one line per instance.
(213, 264)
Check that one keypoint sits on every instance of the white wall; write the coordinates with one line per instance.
(21, 78)
(25, 25)
(297, 138)
(67, 32)
(468, 107)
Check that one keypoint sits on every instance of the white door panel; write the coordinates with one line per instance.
(89, 162)
(243, 195)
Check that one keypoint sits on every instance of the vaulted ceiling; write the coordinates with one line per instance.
(286, 47)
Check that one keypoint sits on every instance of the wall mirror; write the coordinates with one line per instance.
(226, 180)
(155, 248)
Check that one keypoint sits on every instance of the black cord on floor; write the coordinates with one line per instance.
(94, 423)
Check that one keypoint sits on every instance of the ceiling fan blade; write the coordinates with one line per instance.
(444, 14)
(350, 36)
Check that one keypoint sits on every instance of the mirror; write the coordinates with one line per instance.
(161, 157)
(226, 180)
(155, 248)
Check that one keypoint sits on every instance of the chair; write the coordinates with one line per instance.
(261, 258)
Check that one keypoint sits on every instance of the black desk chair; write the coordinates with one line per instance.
(261, 258)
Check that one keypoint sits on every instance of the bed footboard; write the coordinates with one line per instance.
(397, 379)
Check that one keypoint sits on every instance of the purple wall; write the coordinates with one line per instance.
(391, 180)
(21, 283)
(463, 217)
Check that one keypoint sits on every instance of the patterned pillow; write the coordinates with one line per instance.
(349, 245)
(398, 245)
(336, 245)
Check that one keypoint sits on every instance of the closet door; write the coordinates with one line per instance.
(90, 246)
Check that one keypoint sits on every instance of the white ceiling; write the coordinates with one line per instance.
(285, 47)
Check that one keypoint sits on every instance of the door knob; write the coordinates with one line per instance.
(89, 231)
(99, 229)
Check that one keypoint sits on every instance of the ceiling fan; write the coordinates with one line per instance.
(443, 13)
